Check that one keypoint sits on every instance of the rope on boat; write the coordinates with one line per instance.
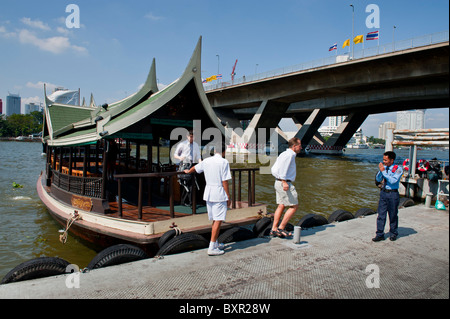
(63, 236)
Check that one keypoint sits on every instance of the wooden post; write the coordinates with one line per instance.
(104, 175)
(171, 204)
(140, 199)
(119, 191)
(233, 189)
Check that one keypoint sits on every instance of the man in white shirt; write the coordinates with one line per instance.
(188, 153)
(217, 196)
(284, 170)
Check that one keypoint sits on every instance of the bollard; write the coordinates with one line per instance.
(297, 231)
(428, 200)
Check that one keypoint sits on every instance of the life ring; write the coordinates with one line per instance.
(406, 164)
(312, 220)
(340, 215)
(423, 165)
(182, 243)
(36, 268)
(236, 234)
(116, 255)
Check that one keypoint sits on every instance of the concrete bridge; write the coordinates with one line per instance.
(414, 78)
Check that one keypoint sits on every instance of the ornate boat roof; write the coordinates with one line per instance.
(147, 114)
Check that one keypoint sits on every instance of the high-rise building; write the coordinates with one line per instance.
(1, 107)
(64, 96)
(335, 121)
(12, 104)
(382, 129)
(411, 120)
(31, 107)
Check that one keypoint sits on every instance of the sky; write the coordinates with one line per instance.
(109, 53)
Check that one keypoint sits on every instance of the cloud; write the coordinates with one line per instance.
(153, 17)
(4, 33)
(40, 85)
(56, 45)
(37, 24)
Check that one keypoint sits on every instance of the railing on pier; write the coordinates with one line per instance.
(236, 194)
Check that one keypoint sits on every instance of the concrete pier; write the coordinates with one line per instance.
(337, 261)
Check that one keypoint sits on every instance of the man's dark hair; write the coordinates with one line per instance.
(391, 155)
(293, 141)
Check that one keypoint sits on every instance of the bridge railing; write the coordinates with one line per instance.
(401, 45)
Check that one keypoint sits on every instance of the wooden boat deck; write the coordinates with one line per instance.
(154, 214)
(149, 213)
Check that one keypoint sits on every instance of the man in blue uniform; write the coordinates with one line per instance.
(389, 196)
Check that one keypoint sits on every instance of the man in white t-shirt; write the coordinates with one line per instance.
(217, 196)
(284, 170)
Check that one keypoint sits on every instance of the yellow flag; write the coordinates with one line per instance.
(346, 43)
(358, 39)
(211, 78)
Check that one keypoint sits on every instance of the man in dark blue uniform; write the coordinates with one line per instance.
(389, 196)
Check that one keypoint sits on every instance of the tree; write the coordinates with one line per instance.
(21, 124)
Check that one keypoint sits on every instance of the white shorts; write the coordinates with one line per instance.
(286, 198)
(217, 210)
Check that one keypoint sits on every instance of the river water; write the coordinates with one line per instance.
(324, 184)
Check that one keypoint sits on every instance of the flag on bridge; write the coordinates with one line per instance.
(333, 47)
(358, 39)
(372, 35)
(346, 43)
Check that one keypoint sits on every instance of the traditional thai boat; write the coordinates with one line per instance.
(102, 180)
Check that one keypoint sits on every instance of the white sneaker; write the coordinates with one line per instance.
(215, 252)
(220, 246)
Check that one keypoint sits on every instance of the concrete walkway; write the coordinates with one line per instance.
(334, 261)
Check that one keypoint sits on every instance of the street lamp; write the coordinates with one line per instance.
(393, 38)
(353, 28)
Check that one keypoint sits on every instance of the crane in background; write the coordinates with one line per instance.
(232, 72)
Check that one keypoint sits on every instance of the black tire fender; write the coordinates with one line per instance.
(405, 202)
(312, 220)
(236, 234)
(168, 235)
(261, 225)
(182, 243)
(116, 255)
(364, 212)
(340, 215)
(36, 268)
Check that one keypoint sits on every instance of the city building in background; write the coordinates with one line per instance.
(65, 96)
(411, 120)
(1, 107)
(382, 129)
(335, 121)
(12, 104)
(32, 107)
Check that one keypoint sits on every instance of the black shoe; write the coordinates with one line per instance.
(378, 238)
(393, 238)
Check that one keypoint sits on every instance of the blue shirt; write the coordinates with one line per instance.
(392, 178)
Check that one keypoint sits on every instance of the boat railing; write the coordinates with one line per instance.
(85, 186)
(236, 193)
